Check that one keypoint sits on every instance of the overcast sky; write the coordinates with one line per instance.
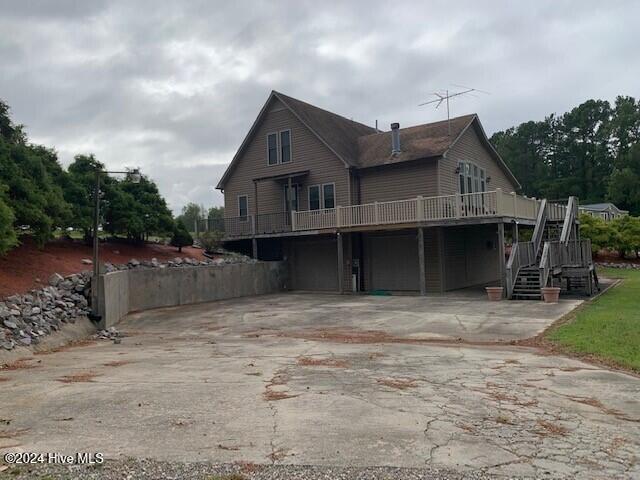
(173, 87)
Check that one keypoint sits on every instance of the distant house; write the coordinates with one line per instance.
(606, 211)
(351, 208)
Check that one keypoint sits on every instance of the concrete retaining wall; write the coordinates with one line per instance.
(143, 289)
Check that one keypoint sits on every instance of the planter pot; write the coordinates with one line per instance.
(494, 293)
(551, 294)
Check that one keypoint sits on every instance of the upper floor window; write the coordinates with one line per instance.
(285, 146)
(279, 147)
(471, 178)
(243, 205)
(322, 196)
(329, 195)
(272, 154)
(314, 197)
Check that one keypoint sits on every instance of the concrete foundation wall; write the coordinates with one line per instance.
(143, 289)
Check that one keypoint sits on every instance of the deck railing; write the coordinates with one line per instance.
(273, 222)
(419, 209)
(414, 210)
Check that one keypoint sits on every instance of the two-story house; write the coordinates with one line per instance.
(418, 209)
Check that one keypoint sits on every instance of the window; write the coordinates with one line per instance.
(314, 197)
(328, 195)
(461, 177)
(471, 178)
(279, 147)
(243, 205)
(272, 154)
(294, 200)
(285, 146)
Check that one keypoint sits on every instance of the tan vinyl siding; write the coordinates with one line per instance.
(308, 153)
(469, 148)
(471, 256)
(399, 182)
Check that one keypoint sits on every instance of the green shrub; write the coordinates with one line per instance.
(181, 237)
(210, 241)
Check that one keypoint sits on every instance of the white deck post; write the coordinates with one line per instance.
(498, 201)
(340, 263)
(420, 209)
(293, 221)
(515, 204)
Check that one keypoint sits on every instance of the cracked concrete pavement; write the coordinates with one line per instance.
(330, 380)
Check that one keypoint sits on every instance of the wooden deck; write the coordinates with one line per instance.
(416, 211)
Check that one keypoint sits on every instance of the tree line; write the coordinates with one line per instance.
(592, 152)
(38, 196)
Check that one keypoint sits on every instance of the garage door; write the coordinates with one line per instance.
(394, 263)
(315, 265)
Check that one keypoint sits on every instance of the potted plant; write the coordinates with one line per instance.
(494, 293)
(550, 294)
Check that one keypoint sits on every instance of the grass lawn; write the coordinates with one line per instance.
(608, 327)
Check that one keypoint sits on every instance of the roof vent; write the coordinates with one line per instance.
(395, 138)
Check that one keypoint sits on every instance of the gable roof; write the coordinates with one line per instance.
(420, 141)
(338, 133)
(360, 146)
(601, 207)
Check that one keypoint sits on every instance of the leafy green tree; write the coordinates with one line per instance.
(191, 213)
(79, 189)
(597, 230)
(181, 236)
(216, 213)
(136, 210)
(8, 237)
(592, 151)
(626, 235)
(33, 178)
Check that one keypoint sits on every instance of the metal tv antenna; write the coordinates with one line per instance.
(444, 96)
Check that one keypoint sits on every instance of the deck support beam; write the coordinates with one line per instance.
(254, 247)
(501, 261)
(340, 263)
(423, 267)
(515, 234)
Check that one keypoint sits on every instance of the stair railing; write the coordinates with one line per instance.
(569, 220)
(545, 264)
(525, 254)
(522, 255)
(541, 221)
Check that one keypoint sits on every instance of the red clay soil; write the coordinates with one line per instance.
(27, 267)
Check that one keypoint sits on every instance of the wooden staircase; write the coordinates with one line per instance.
(527, 286)
(555, 253)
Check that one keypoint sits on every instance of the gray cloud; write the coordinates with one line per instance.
(172, 87)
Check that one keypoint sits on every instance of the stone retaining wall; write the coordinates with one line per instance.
(125, 291)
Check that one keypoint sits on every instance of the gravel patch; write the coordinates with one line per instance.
(132, 469)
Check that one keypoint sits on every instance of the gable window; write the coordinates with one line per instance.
(243, 206)
(314, 197)
(328, 195)
(279, 147)
(272, 149)
(471, 178)
(294, 199)
(285, 146)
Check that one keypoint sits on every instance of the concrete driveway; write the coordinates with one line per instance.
(330, 380)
